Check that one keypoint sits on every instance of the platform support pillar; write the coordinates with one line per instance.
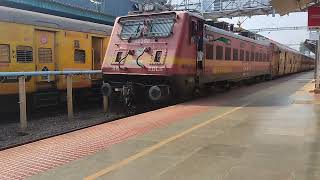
(69, 97)
(23, 103)
(317, 69)
(105, 104)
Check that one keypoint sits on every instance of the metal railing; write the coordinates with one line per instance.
(22, 90)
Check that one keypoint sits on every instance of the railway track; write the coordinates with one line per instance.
(53, 121)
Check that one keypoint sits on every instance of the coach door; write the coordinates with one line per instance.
(197, 29)
(97, 55)
(45, 58)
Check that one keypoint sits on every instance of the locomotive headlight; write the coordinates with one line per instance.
(155, 93)
(159, 92)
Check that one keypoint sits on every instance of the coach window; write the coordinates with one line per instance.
(264, 57)
(235, 54)
(4, 53)
(228, 54)
(257, 57)
(24, 54)
(241, 55)
(209, 51)
(252, 56)
(79, 56)
(260, 57)
(219, 53)
(268, 57)
(293, 61)
(247, 56)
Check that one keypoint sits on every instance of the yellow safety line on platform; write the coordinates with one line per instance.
(150, 149)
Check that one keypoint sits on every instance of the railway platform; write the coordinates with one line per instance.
(269, 130)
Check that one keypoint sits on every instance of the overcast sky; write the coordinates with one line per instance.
(285, 37)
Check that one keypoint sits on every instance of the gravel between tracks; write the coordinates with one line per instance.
(45, 126)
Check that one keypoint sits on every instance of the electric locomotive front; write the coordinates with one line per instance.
(142, 62)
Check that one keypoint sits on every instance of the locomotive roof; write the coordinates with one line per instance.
(231, 34)
(163, 13)
(50, 21)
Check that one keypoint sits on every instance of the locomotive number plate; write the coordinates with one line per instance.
(115, 68)
(156, 69)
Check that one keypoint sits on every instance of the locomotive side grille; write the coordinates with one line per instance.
(24, 54)
(45, 55)
(4, 53)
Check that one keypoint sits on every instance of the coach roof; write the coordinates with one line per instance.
(50, 21)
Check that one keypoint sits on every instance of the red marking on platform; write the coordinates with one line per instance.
(31, 159)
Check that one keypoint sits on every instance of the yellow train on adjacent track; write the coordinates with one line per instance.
(32, 41)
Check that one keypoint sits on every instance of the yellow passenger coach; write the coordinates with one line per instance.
(38, 42)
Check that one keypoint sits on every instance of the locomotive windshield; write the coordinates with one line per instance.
(147, 27)
(160, 28)
(131, 29)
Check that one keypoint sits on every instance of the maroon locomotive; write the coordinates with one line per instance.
(155, 56)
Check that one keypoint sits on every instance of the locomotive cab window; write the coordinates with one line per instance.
(4, 53)
(79, 56)
(219, 53)
(209, 51)
(156, 27)
(193, 28)
(24, 54)
(228, 54)
(160, 27)
(131, 29)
